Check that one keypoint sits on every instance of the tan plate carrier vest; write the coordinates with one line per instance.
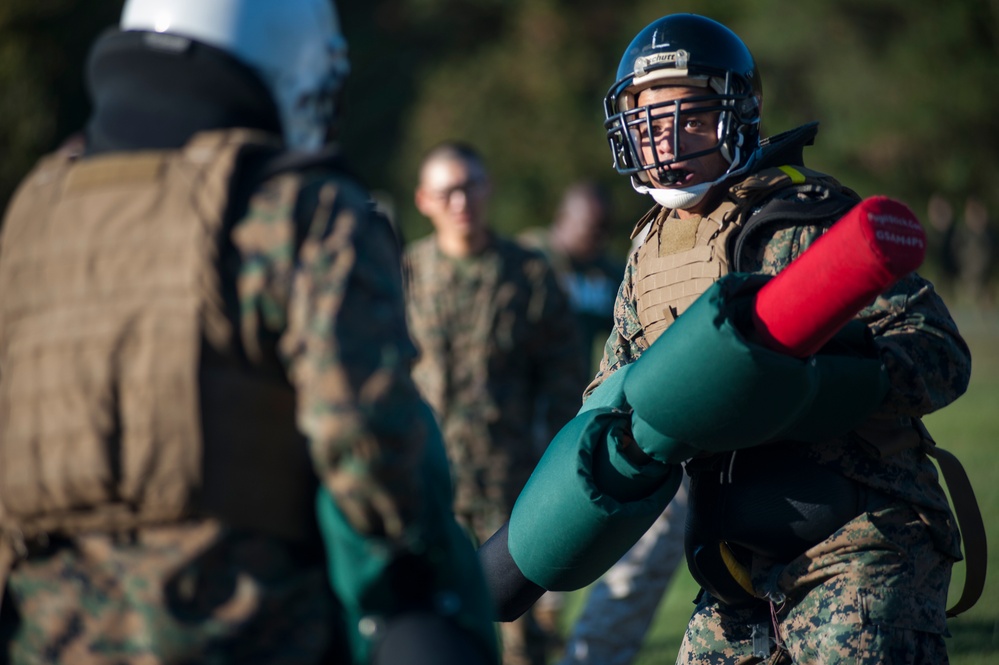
(123, 403)
(680, 258)
(677, 262)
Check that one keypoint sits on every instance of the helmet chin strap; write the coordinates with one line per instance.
(684, 198)
(680, 198)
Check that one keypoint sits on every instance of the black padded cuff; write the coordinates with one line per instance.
(513, 594)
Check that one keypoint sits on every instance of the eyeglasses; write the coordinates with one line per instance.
(468, 187)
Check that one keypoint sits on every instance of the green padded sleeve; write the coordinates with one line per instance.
(565, 531)
(704, 384)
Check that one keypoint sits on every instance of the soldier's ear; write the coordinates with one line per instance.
(423, 201)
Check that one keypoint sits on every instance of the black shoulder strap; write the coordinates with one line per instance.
(890, 438)
(805, 203)
(969, 521)
(787, 147)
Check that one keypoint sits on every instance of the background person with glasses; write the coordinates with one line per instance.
(498, 351)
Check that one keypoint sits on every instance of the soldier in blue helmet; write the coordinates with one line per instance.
(819, 536)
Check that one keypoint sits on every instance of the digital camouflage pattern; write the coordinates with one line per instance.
(497, 342)
(193, 593)
(307, 251)
(928, 362)
(870, 594)
(929, 365)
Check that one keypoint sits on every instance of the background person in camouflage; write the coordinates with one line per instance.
(497, 342)
(683, 118)
(181, 304)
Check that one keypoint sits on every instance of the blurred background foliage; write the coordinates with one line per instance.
(907, 93)
(905, 90)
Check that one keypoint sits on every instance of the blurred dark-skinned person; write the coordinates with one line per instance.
(940, 238)
(577, 243)
(497, 341)
(212, 447)
(975, 243)
(824, 538)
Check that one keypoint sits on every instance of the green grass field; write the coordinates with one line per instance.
(969, 428)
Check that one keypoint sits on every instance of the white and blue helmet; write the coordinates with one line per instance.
(294, 46)
(694, 51)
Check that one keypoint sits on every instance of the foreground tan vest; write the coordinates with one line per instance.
(681, 258)
(677, 262)
(122, 402)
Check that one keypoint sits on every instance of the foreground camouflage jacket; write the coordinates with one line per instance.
(498, 360)
(312, 284)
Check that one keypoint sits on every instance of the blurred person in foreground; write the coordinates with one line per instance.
(827, 537)
(204, 373)
(497, 341)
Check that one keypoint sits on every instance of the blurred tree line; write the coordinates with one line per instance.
(905, 90)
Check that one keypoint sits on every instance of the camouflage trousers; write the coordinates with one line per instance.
(874, 592)
(178, 594)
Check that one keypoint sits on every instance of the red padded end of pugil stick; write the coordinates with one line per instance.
(877, 242)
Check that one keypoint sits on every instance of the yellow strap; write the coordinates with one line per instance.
(796, 176)
(736, 569)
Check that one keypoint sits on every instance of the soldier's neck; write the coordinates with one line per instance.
(462, 246)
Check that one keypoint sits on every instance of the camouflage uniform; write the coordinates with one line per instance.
(306, 250)
(877, 586)
(206, 407)
(497, 342)
(499, 361)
